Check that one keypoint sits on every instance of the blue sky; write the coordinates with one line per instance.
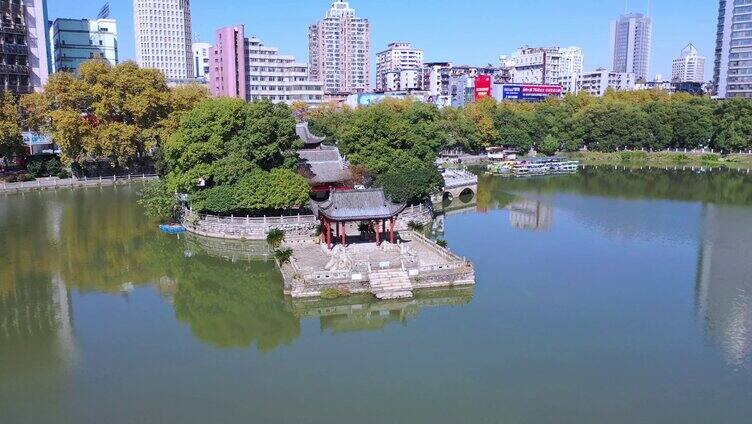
(462, 32)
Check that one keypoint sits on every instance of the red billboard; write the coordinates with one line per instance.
(482, 86)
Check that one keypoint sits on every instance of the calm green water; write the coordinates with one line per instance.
(602, 297)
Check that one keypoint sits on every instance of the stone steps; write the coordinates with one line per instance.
(391, 284)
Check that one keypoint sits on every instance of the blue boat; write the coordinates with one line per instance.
(172, 229)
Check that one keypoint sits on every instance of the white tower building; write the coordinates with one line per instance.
(689, 66)
(163, 37)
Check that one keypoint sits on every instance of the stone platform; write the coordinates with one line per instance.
(388, 271)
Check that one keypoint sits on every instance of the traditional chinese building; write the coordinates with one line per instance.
(344, 206)
(323, 166)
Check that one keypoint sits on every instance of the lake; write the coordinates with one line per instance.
(607, 296)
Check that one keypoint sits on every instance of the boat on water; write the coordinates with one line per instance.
(172, 229)
(534, 166)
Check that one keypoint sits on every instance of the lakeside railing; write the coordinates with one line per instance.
(52, 183)
(287, 219)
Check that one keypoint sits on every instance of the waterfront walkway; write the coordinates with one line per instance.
(56, 183)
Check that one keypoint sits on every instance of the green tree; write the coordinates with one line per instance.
(158, 202)
(549, 146)
(734, 125)
(11, 141)
(411, 184)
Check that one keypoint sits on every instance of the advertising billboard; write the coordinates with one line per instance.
(525, 92)
(482, 86)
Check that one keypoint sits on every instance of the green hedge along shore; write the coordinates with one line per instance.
(663, 159)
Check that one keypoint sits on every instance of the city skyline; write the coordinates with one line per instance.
(466, 39)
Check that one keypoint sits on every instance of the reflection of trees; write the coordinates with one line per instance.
(727, 187)
(233, 305)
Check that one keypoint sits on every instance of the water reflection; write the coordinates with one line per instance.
(525, 214)
(364, 313)
(724, 280)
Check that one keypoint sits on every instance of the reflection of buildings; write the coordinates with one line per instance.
(528, 214)
(36, 327)
(364, 313)
(724, 280)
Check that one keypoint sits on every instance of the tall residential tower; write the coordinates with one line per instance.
(732, 73)
(631, 39)
(163, 37)
(340, 50)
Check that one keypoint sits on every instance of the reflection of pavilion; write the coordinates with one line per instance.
(364, 313)
(528, 214)
(724, 280)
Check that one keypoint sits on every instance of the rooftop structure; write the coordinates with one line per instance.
(309, 139)
(357, 205)
(324, 168)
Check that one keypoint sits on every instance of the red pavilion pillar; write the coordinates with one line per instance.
(391, 230)
(376, 230)
(344, 234)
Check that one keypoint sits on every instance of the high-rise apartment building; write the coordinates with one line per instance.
(396, 58)
(201, 58)
(732, 73)
(24, 46)
(246, 68)
(689, 66)
(163, 37)
(631, 40)
(340, 50)
(538, 65)
(74, 41)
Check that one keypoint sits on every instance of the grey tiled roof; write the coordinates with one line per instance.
(323, 165)
(356, 205)
(305, 134)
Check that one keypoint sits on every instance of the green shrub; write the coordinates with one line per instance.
(25, 177)
(275, 237)
(219, 200)
(36, 168)
(331, 294)
(53, 167)
(681, 159)
(416, 226)
(710, 159)
(628, 157)
(64, 173)
(283, 255)
(441, 242)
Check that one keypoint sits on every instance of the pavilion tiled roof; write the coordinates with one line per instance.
(305, 134)
(357, 205)
(323, 165)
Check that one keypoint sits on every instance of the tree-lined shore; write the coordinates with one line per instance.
(230, 156)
